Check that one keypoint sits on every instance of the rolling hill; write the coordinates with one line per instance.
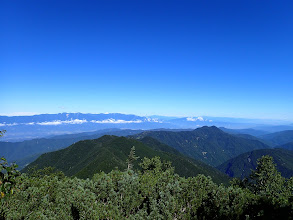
(27, 151)
(241, 165)
(85, 158)
(288, 146)
(207, 144)
(279, 138)
(249, 131)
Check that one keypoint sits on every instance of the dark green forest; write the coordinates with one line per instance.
(86, 158)
(155, 192)
(141, 188)
(210, 145)
(242, 165)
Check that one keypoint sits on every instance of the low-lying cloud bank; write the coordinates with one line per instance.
(82, 121)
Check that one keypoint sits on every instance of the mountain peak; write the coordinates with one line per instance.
(209, 129)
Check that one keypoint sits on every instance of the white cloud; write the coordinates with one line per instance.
(81, 121)
(20, 114)
(50, 123)
(114, 121)
(58, 122)
(153, 120)
(4, 124)
(75, 121)
(191, 119)
(200, 118)
(195, 119)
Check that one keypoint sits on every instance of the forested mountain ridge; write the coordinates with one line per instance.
(279, 138)
(288, 146)
(85, 158)
(249, 131)
(27, 151)
(242, 165)
(207, 144)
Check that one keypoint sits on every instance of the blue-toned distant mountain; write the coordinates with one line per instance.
(208, 144)
(242, 165)
(273, 129)
(28, 127)
(250, 134)
(249, 131)
(279, 138)
(21, 128)
(288, 146)
(27, 151)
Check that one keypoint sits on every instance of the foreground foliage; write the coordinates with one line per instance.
(155, 192)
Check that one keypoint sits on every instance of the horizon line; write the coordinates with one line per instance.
(20, 114)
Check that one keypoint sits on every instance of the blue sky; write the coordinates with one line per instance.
(182, 58)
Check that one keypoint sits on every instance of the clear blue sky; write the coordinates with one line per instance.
(187, 58)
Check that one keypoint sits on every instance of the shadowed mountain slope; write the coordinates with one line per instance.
(85, 158)
(279, 138)
(27, 151)
(207, 144)
(241, 165)
(249, 131)
(288, 146)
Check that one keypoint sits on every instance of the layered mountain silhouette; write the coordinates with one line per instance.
(249, 131)
(85, 158)
(242, 165)
(207, 144)
(288, 146)
(27, 151)
(279, 138)
(21, 128)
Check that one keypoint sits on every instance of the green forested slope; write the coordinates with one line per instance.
(279, 138)
(26, 151)
(85, 158)
(288, 146)
(242, 165)
(208, 144)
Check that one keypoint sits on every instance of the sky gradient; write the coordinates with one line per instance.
(179, 58)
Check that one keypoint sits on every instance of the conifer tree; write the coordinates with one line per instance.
(266, 177)
(131, 158)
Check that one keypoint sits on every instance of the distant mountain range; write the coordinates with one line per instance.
(210, 145)
(21, 128)
(248, 131)
(242, 165)
(279, 138)
(288, 146)
(207, 144)
(27, 151)
(85, 158)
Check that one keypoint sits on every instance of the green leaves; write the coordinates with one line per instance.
(267, 180)
(8, 175)
(131, 158)
(2, 133)
(154, 193)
